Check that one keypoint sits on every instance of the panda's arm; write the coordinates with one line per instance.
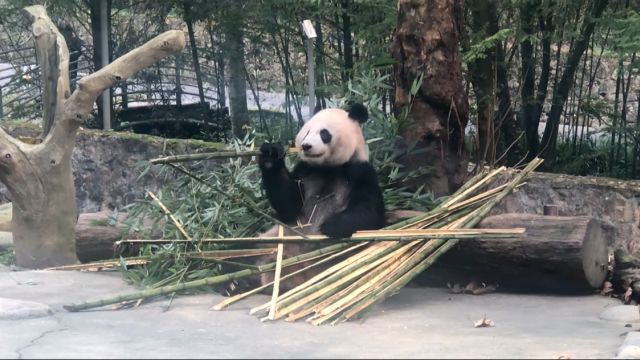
(365, 210)
(283, 191)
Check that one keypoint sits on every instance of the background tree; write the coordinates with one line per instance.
(426, 47)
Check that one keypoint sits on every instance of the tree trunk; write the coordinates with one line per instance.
(546, 27)
(505, 119)
(237, 82)
(426, 44)
(483, 74)
(561, 93)
(39, 177)
(528, 76)
(347, 41)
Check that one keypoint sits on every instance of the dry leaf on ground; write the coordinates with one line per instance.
(484, 322)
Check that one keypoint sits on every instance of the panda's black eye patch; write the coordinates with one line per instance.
(325, 135)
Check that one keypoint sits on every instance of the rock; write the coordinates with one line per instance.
(621, 313)
(12, 309)
(630, 348)
(6, 240)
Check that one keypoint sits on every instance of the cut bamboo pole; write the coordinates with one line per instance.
(276, 277)
(332, 270)
(378, 235)
(211, 156)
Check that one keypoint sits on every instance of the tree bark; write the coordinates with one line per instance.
(484, 23)
(561, 93)
(426, 44)
(39, 177)
(237, 82)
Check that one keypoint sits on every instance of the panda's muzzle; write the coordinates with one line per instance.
(306, 151)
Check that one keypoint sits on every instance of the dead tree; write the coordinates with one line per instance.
(39, 177)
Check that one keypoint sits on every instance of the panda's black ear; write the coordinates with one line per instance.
(359, 113)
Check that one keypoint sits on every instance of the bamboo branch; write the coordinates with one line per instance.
(202, 282)
(210, 156)
(168, 213)
(246, 202)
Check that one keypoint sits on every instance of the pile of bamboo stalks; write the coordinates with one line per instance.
(375, 270)
(362, 270)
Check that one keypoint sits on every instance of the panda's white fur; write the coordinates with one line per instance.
(347, 142)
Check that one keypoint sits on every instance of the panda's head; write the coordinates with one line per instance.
(333, 137)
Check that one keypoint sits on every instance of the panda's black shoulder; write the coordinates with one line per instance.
(360, 171)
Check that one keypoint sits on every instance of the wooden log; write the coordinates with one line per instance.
(556, 252)
(97, 233)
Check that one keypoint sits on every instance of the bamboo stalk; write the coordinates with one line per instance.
(389, 235)
(232, 300)
(276, 277)
(101, 264)
(229, 254)
(340, 282)
(202, 282)
(168, 213)
(473, 187)
(332, 270)
(211, 156)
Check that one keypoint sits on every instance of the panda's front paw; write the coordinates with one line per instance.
(334, 228)
(271, 155)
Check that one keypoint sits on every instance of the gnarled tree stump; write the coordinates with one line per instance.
(39, 177)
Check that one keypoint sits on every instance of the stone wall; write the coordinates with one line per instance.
(107, 165)
(612, 201)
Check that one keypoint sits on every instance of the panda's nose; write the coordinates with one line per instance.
(306, 147)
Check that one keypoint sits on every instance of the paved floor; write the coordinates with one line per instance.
(416, 323)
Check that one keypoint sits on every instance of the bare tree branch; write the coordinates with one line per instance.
(53, 55)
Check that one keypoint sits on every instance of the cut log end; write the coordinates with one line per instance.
(595, 254)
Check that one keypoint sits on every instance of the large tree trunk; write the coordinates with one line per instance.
(561, 93)
(483, 74)
(426, 44)
(39, 177)
(234, 40)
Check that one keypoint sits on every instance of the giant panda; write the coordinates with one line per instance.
(332, 190)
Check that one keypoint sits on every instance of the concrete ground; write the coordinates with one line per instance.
(416, 323)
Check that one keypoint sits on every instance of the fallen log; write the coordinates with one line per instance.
(556, 252)
(97, 234)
